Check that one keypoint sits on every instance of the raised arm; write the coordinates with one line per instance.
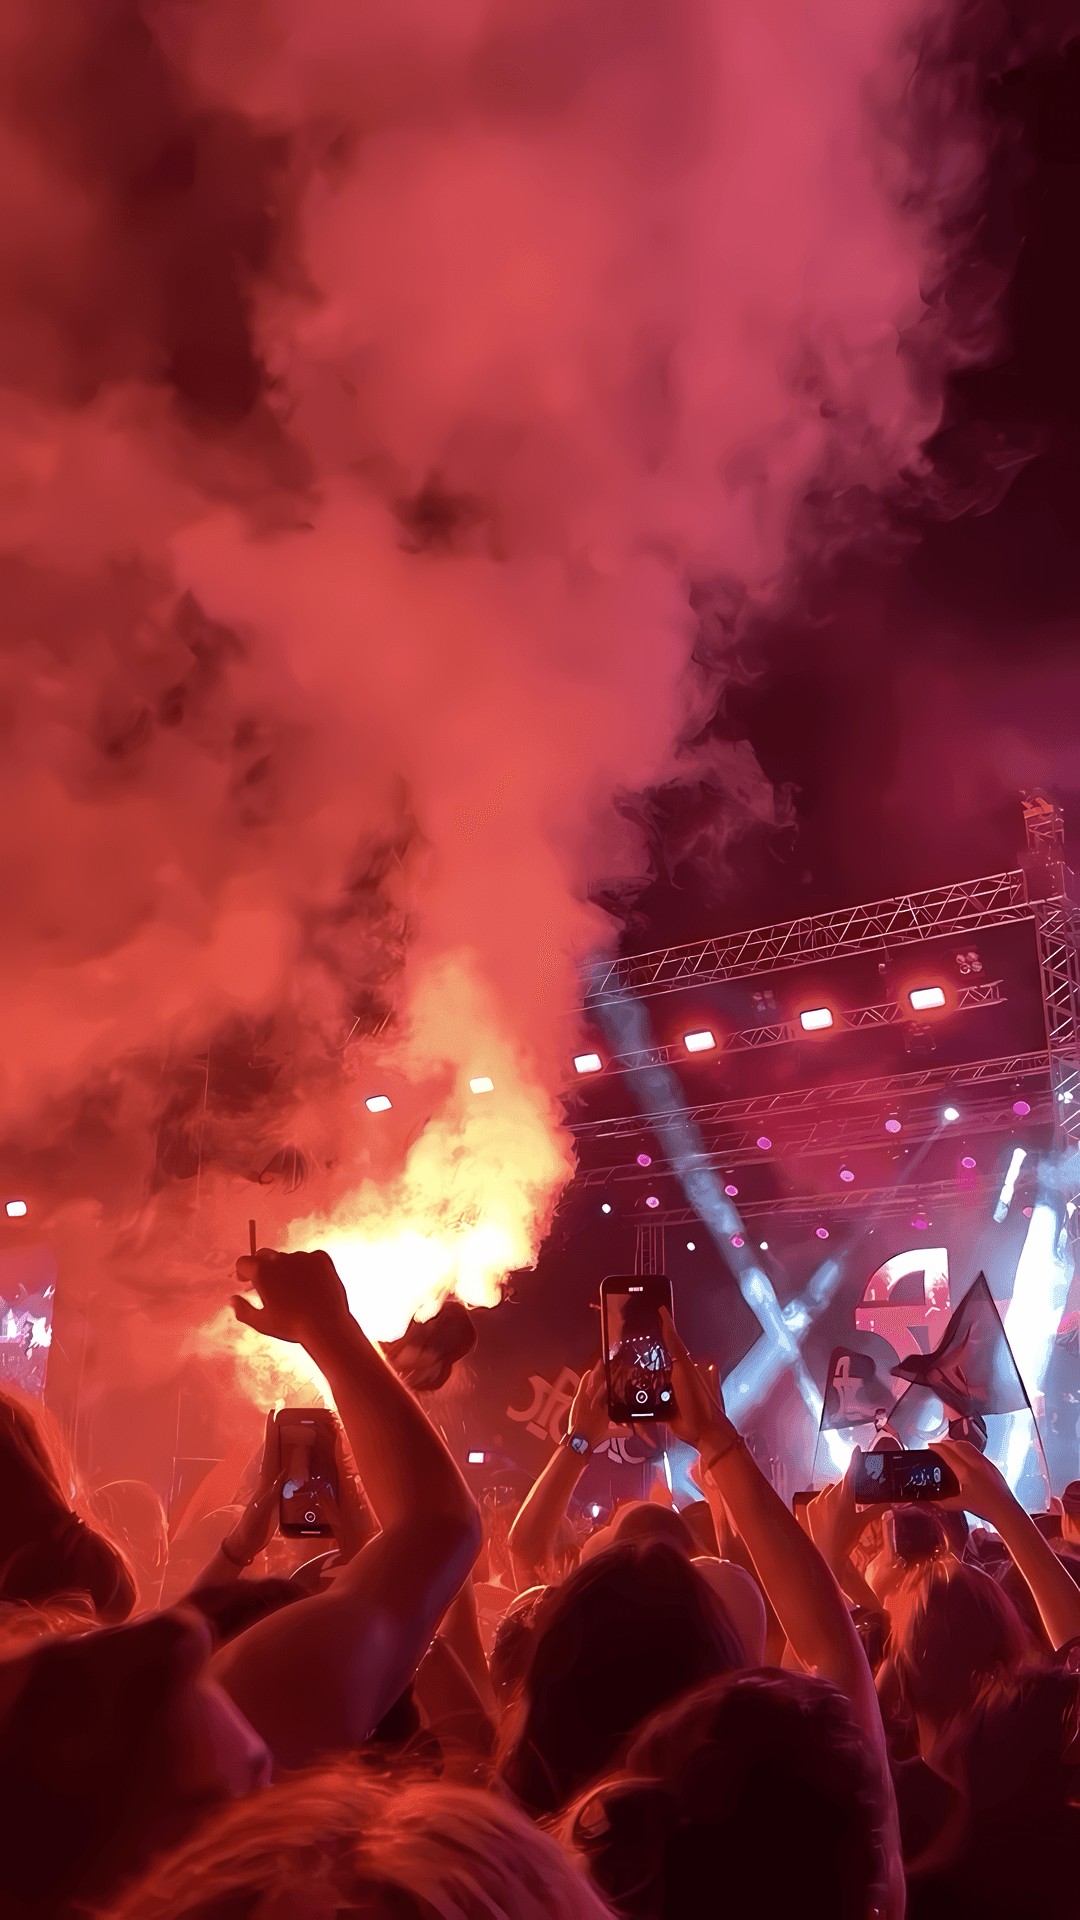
(533, 1534)
(255, 1527)
(357, 1645)
(808, 1602)
(984, 1491)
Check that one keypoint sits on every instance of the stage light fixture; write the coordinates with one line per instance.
(1027, 1212)
(764, 1142)
(651, 1200)
(815, 1019)
(737, 1240)
(644, 1159)
(968, 1161)
(1021, 1107)
(822, 1232)
(15, 1209)
(892, 1124)
(476, 1459)
(587, 1063)
(764, 1245)
(699, 1042)
(951, 1113)
(846, 1175)
(605, 1206)
(919, 1222)
(482, 1085)
(378, 1103)
(691, 1246)
(969, 962)
(731, 1192)
(923, 997)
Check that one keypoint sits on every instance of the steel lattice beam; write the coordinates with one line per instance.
(997, 899)
(984, 993)
(888, 1091)
(813, 1209)
(1051, 888)
(731, 1145)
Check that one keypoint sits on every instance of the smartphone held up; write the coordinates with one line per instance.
(307, 1442)
(885, 1478)
(636, 1360)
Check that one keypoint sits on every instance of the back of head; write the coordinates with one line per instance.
(956, 1636)
(628, 1632)
(339, 1841)
(47, 1552)
(761, 1784)
(131, 1511)
(641, 1520)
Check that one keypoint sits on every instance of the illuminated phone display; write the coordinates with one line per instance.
(307, 1439)
(637, 1361)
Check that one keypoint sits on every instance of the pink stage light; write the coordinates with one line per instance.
(731, 1192)
(923, 997)
(815, 1020)
(1021, 1107)
(846, 1175)
(699, 1042)
(737, 1240)
(764, 1143)
(968, 1161)
(892, 1124)
(644, 1159)
(651, 1200)
(822, 1232)
(920, 1222)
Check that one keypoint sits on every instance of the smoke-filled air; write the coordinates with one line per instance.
(384, 391)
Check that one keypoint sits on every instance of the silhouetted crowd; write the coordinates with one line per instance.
(497, 1711)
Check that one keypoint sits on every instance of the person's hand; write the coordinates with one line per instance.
(589, 1412)
(301, 1294)
(699, 1419)
(834, 1522)
(258, 1522)
(983, 1490)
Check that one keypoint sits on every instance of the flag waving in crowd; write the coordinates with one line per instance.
(972, 1372)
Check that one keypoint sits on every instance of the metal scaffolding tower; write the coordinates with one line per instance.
(1050, 889)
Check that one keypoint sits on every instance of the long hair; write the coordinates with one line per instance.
(337, 1839)
(625, 1634)
(760, 1784)
(48, 1551)
(956, 1639)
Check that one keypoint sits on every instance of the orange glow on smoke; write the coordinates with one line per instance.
(317, 698)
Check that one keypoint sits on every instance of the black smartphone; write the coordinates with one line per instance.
(881, 1479)
(637, 1363)
(307, 1442)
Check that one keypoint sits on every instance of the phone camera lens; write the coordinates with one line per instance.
(641, 1396)
(311, 1518)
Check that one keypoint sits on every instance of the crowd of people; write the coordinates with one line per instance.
(464, 1712)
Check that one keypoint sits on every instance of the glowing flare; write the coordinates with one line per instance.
(378, 1103)
(587, 1063)
(699, 1042)
(15, 1209)
(816, 1019)
(924, 997)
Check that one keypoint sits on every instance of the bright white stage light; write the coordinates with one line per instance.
(15, 1209)
(764, 1245)
(1004, 1198)
(476, 1459)
(699, 1042)
(815, 1019)
(378, 1103)
(1043, 1273)
(923, 997)
(691, 1246)
(605, 1206)
(587, 1062)
(951, 1113)
(482, 1085)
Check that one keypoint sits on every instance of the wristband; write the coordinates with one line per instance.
(577, 1443)
(722, 1453)
(240, 1564)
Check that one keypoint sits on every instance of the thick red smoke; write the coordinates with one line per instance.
(376, 385)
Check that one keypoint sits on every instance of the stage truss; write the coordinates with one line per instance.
(830, 1119)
